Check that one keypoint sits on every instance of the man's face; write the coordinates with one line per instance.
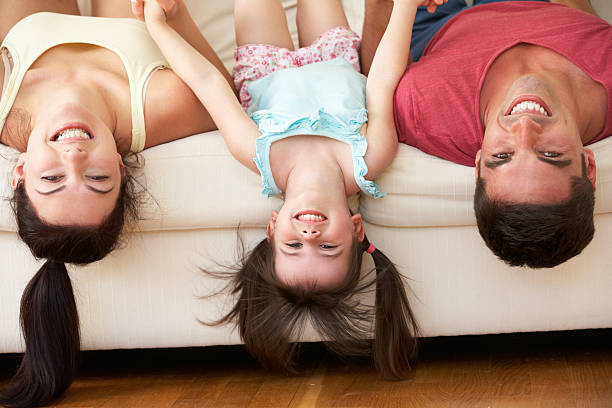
(532, 146)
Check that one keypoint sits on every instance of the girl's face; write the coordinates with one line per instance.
(71, 168)
(312, 244)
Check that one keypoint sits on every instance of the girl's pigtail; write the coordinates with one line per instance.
(259, 311)
(50, 325)
(395, 344)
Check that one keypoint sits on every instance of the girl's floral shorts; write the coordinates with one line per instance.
(254, 61)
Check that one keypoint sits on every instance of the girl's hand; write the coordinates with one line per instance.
(169, 8)
(430, 4)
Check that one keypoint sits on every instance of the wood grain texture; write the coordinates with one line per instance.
(566, 369)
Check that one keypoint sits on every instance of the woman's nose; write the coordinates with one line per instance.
(74, 155)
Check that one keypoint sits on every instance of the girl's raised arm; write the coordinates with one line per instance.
(389, 64)
(208, 84)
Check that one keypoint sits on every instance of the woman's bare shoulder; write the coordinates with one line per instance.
(172, 111)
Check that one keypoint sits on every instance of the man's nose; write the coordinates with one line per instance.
(310, 232)
(526, 131)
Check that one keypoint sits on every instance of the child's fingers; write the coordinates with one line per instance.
(432, 5)
(138, 9)
(169, 6)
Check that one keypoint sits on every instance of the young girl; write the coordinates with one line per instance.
(306, 130)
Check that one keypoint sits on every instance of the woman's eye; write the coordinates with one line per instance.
(327, 246)
(501, 156)
(294, 244)
(97, 178)
(52, 179)
(551, 154)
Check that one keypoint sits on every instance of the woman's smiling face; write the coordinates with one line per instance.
(71, 168)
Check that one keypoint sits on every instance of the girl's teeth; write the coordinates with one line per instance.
(311, 218)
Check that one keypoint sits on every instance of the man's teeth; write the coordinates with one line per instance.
(529, 107)
(311, 218)
(72, 134)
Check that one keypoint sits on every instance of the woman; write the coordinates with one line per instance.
(78, 94)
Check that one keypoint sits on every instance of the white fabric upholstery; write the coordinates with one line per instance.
(148, 293)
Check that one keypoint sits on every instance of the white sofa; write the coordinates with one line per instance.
(148, 293)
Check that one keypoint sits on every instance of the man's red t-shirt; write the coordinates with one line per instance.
(437, 100)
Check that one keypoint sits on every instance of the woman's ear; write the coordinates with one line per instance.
(121, 166)
(358, 230)
(18, 172)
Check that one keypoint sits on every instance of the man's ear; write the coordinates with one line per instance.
(358, 230)
(477, 165)
(589, 159)
(271, 225)
(18, 172)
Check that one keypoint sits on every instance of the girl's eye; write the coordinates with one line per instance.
(97, 178)
(327, 246)
(551, 154)
(501, 156)
(294, 244)
(52, 179)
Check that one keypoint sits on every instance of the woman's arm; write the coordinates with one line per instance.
(389, 64)
(208, 84)
(179, 18)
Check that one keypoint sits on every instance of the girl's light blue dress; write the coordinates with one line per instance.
(324, 99)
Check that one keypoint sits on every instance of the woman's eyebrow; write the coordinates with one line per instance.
(95, 190)
(50, 191)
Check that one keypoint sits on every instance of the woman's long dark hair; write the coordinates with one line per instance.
(271, 315)
(48, 314)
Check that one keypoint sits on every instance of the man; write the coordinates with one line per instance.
(516, 89)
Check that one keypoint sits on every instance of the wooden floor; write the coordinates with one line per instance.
(567, 369)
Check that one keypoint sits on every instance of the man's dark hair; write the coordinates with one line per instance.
(537, 235)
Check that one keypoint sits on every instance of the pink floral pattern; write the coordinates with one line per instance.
(254, 61)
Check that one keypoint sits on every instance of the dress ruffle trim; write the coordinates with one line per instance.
(274, 126)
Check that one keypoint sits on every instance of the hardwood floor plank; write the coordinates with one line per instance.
(276, 391)
(544, 370)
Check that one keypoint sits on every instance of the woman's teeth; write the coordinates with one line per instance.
(529, 107)
(72, 134)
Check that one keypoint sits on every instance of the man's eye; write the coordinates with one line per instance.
(97, 178)
(294, 244)
(327, 246)
(501, 156)
(52, 179)
(551, 154)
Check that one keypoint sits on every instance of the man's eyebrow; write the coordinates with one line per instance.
(557, 163)
(492, 164)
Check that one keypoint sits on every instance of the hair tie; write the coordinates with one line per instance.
(370, 249)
